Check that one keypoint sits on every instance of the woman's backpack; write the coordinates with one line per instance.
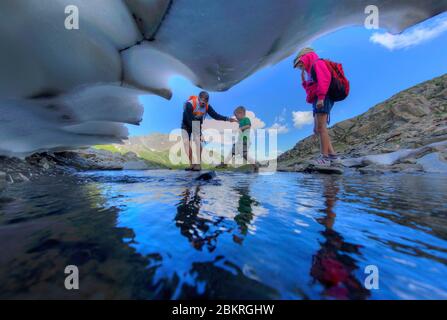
(339, 87)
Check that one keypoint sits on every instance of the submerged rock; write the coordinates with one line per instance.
(206, 176)
(2, 180)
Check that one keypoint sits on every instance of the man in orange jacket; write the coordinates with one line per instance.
(194, 112)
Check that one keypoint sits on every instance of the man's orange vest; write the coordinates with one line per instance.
(197, 109)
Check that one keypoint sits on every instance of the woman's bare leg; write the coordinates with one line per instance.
(325, 140)
(331, 148)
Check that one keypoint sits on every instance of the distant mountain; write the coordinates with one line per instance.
(410, 119)
(155, 142)
(153, 148)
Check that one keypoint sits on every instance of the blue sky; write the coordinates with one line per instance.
(376, 72)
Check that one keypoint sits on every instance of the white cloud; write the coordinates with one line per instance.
(280, 123)
(282, 128)
(256, 123)
(412, 37)
(302, 118)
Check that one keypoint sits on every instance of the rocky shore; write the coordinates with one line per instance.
(13, 170)
(406, 133)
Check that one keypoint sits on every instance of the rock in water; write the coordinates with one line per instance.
(322, 169)
(2, 180)
(206, 176)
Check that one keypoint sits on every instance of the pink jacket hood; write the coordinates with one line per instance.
(316, 90)
(308, 60)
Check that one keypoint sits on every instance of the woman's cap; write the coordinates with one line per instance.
(300, 54)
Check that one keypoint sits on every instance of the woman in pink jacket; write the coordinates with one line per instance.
(316, 79)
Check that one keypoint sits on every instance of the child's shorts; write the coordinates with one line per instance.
(327, 107)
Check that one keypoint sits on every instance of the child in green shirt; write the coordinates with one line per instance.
(244, 136)
(244, 127)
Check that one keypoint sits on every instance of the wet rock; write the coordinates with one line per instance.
(206, 176)
(17, 170)
(3, 181)
(92, 159)
(300, 167)
(371, 170)
(136, 165)
(409, 161)
(406, 168)
(22, 177)
(395, 168)
(283, 168)
(324, 169)
(433, 163)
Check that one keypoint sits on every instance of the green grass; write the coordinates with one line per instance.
(109, 148)
(155, 157)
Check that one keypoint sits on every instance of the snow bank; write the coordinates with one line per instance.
(388, 159)
(91, 115)
(141, 43)
(432, 163)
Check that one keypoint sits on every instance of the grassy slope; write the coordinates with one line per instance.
(157, 157)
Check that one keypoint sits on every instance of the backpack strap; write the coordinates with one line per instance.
(313, 73)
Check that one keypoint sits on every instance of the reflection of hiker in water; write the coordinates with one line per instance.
(245, 213)
(198, 230)
(331, 265)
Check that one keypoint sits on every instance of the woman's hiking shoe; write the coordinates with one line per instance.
(321, 161)
(335, 160)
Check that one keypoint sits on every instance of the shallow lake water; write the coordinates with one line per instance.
(163, 235)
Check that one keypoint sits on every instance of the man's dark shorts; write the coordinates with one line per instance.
(188, 130)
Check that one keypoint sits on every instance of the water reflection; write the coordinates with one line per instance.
(203, 230)
(161, 235)
(50, 224)
(199, 230)
(333, 265)
(222, 279)
(245, 213)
